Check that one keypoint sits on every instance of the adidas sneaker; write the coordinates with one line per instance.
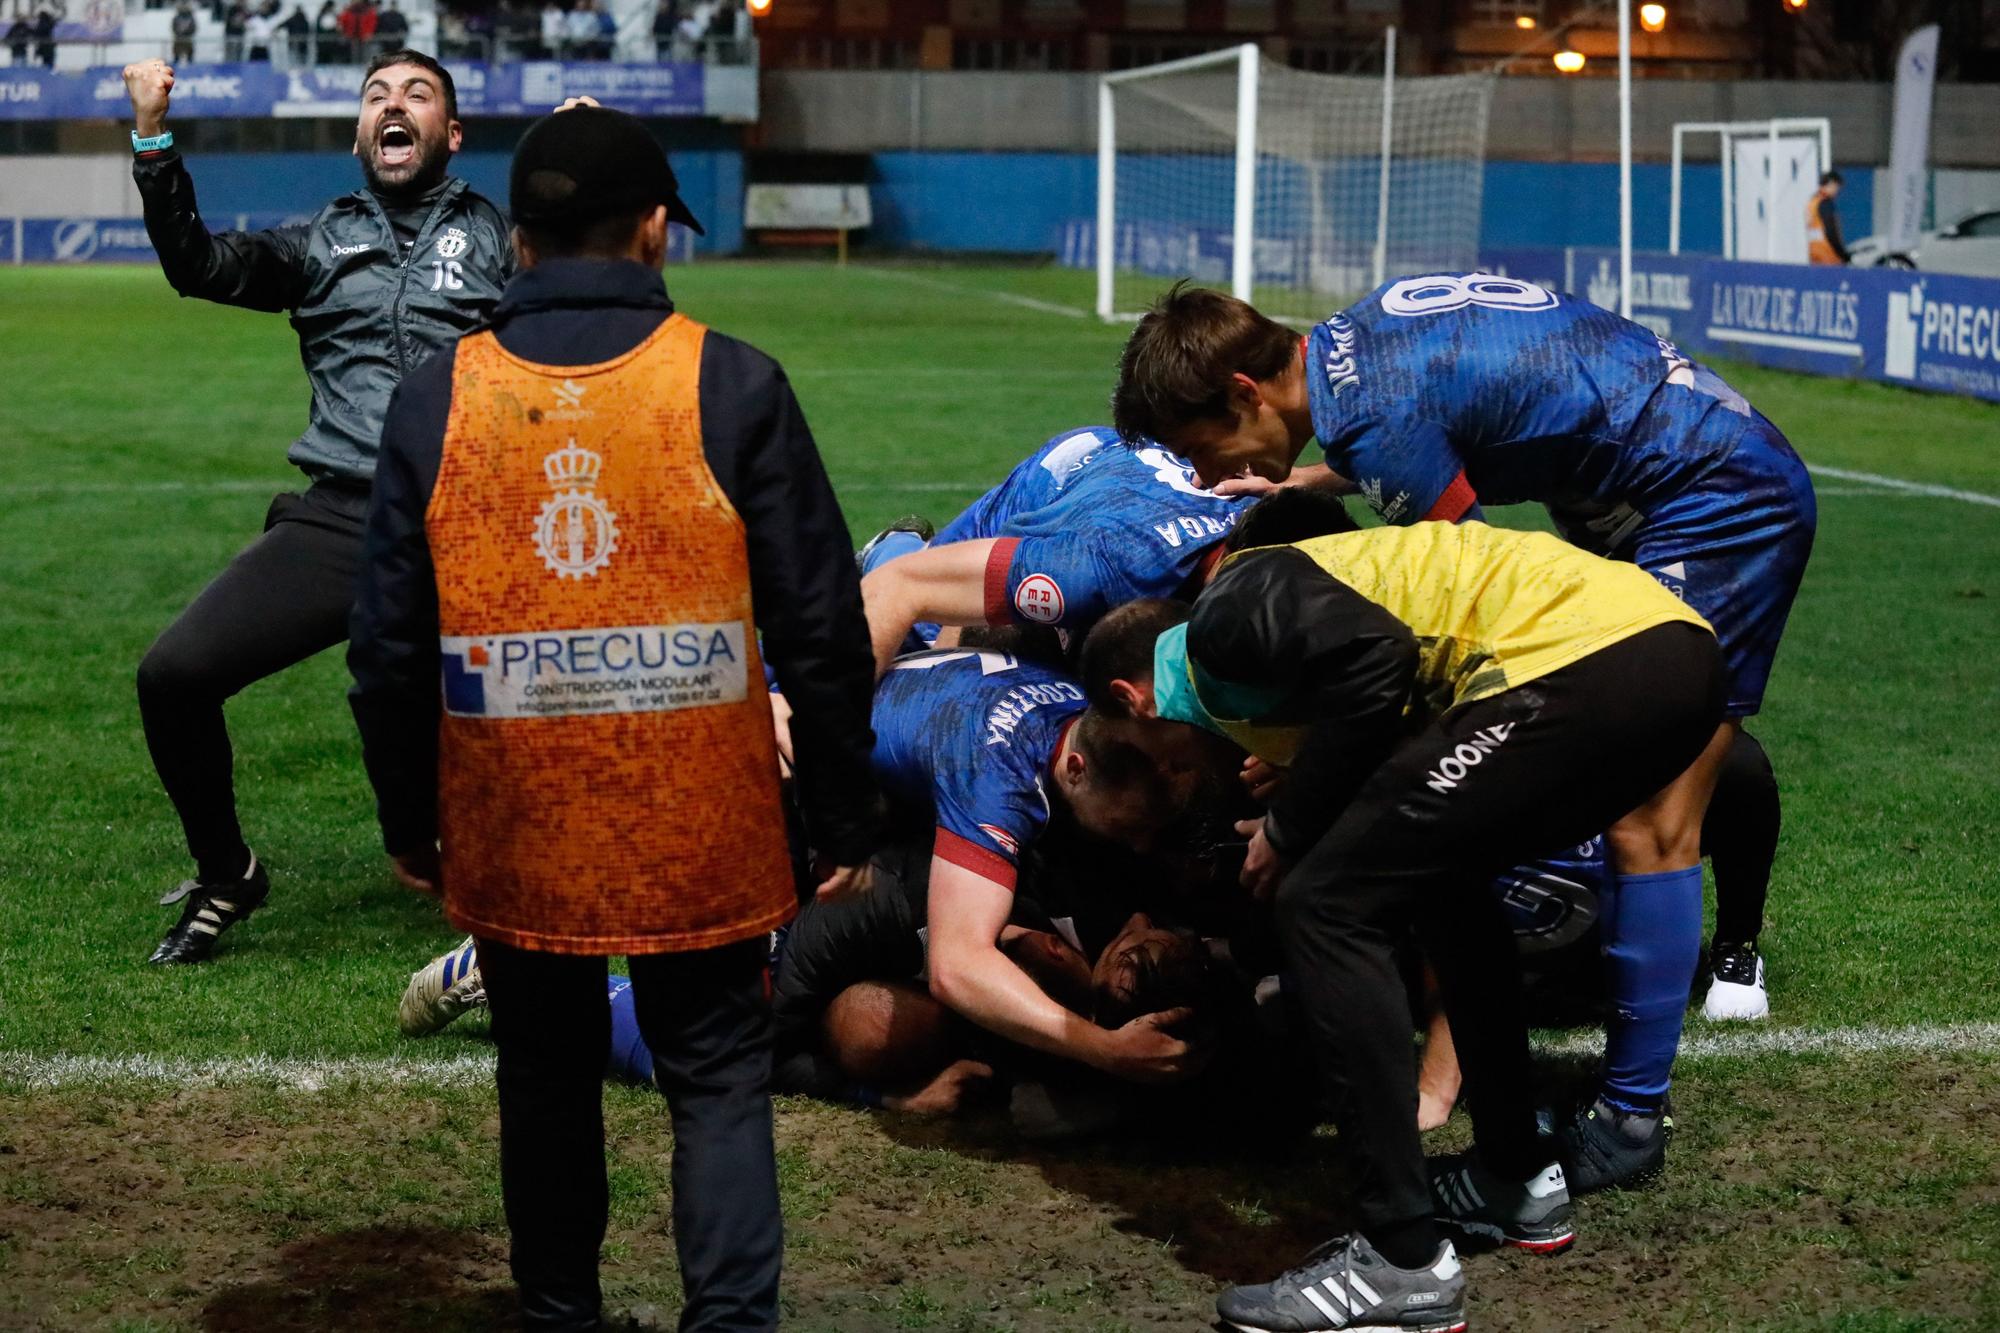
(1736, 987)
(207, 911)
(1346, 1285)
(440, 991)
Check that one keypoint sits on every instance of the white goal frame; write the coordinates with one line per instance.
(1243, 224)
(1730, 131)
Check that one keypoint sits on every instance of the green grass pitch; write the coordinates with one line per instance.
(141, 439)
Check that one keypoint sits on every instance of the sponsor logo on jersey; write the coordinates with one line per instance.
(1673, 578)
(1002, 837)
(1393, 509)
(1467, 755)
(1039, 598)
(454, 243)
(576, 533)
(616, 669)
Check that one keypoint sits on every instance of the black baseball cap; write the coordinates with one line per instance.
(590, 162)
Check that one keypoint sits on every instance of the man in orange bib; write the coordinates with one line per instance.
(584, 516)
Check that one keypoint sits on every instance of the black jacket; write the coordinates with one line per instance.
(804, 587)
(1339, 666)
(366, 314)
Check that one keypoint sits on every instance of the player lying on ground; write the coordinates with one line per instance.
(375, 282)
(981, 749)
(1437, 393)
(1464, 698)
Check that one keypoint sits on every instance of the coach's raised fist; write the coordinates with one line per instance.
(149, 83)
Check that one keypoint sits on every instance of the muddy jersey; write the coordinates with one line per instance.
(1085, 524)
(966, 739)
(1434, 393)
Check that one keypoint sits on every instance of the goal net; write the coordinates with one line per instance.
(1242, 173)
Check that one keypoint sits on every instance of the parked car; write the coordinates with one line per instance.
(1970, 245)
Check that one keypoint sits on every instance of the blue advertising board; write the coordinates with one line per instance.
(1930, 331)
(258, 89)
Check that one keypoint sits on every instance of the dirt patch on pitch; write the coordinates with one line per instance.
(1801, 1191)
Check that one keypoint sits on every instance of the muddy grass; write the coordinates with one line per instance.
(1805, 1193)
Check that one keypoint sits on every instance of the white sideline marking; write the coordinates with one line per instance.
(1907, 487)
(19, 1069)
(1009, 298)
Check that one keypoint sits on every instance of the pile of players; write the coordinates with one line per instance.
(1196, 776)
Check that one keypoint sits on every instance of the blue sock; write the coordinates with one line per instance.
(629, 1057)
(1652, 937)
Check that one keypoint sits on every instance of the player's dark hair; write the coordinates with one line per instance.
(605, 237)
(1832, 178)
(423, 62)
(1120, 647)
(1293, 514)
(1177, 364)
(1113, 765)
(1176, 972)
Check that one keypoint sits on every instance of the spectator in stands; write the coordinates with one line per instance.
(326, 33)
(357, 24)
(234, 24)
(19, 33)
(392, 28)
(1823, 243)
(552, 30)
(298, 30)
(663, 29)
(580, 31)
(183, 29)
(45, 37)
(259, 29)
(694, 27)
(607, 34)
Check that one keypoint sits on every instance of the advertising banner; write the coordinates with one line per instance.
(1929, 331)
(254, 90)
(1910, 140)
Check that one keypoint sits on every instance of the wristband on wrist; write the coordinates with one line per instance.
(158, 143)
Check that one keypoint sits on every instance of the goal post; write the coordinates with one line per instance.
(1763, 216)
(1297, 191)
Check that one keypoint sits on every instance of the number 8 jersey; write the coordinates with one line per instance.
(1436, 393)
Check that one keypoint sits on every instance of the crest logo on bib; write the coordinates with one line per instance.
(576, 532)
(454, 243)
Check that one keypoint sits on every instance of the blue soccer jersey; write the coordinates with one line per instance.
(1085, 524)
(967, 739)
(1433, 392)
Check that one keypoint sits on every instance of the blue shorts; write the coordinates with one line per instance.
(1734, 547)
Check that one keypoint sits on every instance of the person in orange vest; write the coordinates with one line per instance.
(584, 516)
(1823, 243)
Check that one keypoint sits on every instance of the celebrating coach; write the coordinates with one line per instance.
(375, 283)
(575, 515)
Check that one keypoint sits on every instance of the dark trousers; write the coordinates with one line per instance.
(1490, 785)
(284, 598)
(706, 1017)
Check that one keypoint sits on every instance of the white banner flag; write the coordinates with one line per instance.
(1910, 142)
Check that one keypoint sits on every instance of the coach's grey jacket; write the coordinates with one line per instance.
(367, 313)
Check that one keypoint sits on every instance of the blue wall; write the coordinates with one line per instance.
(226, 183)
(1018, 201)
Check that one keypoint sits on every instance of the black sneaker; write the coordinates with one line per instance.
(210, 909)
(1603, 1148)
(1346, 1285)
(1533, 1215)
(915, 524)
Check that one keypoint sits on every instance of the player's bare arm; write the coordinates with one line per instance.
(970, 975)
(945, 584)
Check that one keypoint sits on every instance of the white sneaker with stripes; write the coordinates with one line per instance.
(1345, 1285)
(444, 988)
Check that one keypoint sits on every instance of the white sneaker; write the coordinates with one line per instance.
(443, 989)
(1737, 989)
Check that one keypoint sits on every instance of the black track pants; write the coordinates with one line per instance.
(1489, 785)
(284, 598)
(706, 1018)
